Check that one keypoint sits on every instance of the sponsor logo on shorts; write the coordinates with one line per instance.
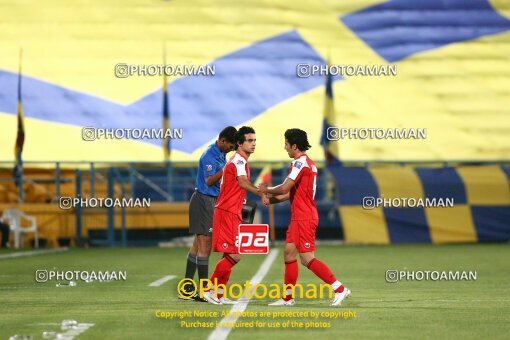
(209, 167)
(253, 239)
(307, 245)
(225, 245)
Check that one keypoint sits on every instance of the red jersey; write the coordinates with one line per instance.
(232, 196)
(304, 173)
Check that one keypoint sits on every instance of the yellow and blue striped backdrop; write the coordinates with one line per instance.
(452, 59)
(481, 210)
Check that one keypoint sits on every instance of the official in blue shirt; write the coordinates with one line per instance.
(201, 207)
(211, 162)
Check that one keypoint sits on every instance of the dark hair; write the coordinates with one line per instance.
(298, 137)
(241, 132)
(229, 134)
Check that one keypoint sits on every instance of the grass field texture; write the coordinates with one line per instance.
(127, 309)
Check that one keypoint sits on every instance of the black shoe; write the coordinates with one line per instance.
(198, 298)
(186, 292)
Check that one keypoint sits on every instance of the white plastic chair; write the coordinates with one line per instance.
(13, 218)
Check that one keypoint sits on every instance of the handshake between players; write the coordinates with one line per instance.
(299, 187)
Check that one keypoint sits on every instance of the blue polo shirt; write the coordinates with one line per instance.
(211, 161)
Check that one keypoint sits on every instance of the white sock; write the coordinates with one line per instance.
(335, 285)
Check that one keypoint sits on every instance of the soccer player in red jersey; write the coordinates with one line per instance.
(228, 211)
(299, 187)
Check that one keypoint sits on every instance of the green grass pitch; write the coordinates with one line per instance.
(126, 309)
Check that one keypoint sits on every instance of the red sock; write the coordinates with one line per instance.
(290, 277)
(222, 272)
(223, 280)
(226, 276)
(322, 271)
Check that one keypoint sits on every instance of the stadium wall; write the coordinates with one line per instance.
(480, 213)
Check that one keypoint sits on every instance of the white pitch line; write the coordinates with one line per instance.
(221, 333)
(159, 282)
(77, 330)
(33, 253)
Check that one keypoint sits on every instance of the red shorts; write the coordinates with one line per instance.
(225, 231)
(302, 234)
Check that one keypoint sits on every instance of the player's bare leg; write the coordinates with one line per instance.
(324, 273)
(194, 246)
(291, 274)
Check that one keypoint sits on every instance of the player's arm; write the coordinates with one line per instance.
(213, 179)
(279, 198)
(246, 185)
(282, 189)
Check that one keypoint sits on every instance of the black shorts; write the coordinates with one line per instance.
(201, 211)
